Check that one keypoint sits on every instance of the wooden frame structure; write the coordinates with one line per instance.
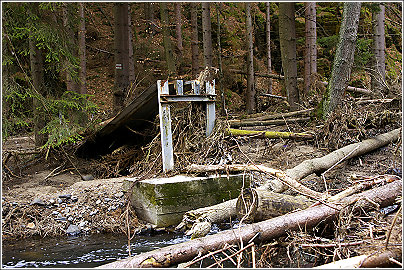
(165, 99)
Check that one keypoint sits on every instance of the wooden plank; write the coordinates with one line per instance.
(165, 128)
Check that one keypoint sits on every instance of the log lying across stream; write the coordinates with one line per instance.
(261, 231)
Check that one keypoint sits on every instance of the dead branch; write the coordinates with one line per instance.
(249, 123)
(266, 230)
(266, 116)
(268, 134)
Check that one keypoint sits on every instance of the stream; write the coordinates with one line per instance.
(85, 251)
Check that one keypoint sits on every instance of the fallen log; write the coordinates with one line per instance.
(366, 261)
(320, 165)
(262, 231)
(266, 116)
(280, 77)
(268, 134)
(250, 123)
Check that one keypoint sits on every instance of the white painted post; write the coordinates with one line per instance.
(165, 128)
(196, 87)
(210, 108)
(179, 86)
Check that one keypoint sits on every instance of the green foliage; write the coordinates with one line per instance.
(363, 54)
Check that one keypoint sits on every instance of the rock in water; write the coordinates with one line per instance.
(200, 229)
(73, 230)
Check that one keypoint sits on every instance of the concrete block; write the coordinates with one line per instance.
(163, 201)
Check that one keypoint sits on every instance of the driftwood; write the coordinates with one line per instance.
(250, 123)
(382, 259)
(268, 134)
(266, 116)
(261, 231)
(320, 165)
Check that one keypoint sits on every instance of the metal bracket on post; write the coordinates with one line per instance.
(164, 100)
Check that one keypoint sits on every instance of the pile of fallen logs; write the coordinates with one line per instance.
(267, 214)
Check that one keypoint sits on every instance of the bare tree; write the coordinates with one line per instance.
(250, 94)
(166, 38)
(310, 52)
(269, 60)
(207, 35)
(378, 75)
(121, 45)
(82, 50)
(287, 36)
(194, 39)
(344, 57)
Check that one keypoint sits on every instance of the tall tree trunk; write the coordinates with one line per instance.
(82, 50)
(178, 31)
(194, 39)
(207, 35)
(71, 72)
(166, 39)
(149, 16)
(310, 52)
(344, 57)
(269, 60)
(121, 44)
(36, 65)
(132, 76)
(250, 94)
(378, 75)
(287, 36)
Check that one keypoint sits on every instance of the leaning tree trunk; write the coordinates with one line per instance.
(378, 75)
(344, 57)
(166, 39)
(265, 230)
(194, 39)
(132, 76)
(269, 60)
(250, 94)
(287, 36)
(82, 50)
(310, 52)
(207, 35)
(121, 44)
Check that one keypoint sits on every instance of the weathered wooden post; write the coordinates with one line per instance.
(164, 99)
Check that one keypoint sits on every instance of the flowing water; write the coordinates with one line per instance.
(80, 251)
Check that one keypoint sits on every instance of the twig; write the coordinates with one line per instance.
(238, 252)
(226, 246)
(391, 227)
(395, 261)
(51, 173)
(332, 245)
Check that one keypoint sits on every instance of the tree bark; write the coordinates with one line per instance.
(178, 31)
(207, 35)
(82, 50)
(287, 36)
(121, 44)
(149, 16)
(378, 75)
(269, 60)
(166, 39)
(344, 57)
(310, 55)
(250, 94)
(132, 76)
(266, 230)
(36, 66)
(194, 39)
